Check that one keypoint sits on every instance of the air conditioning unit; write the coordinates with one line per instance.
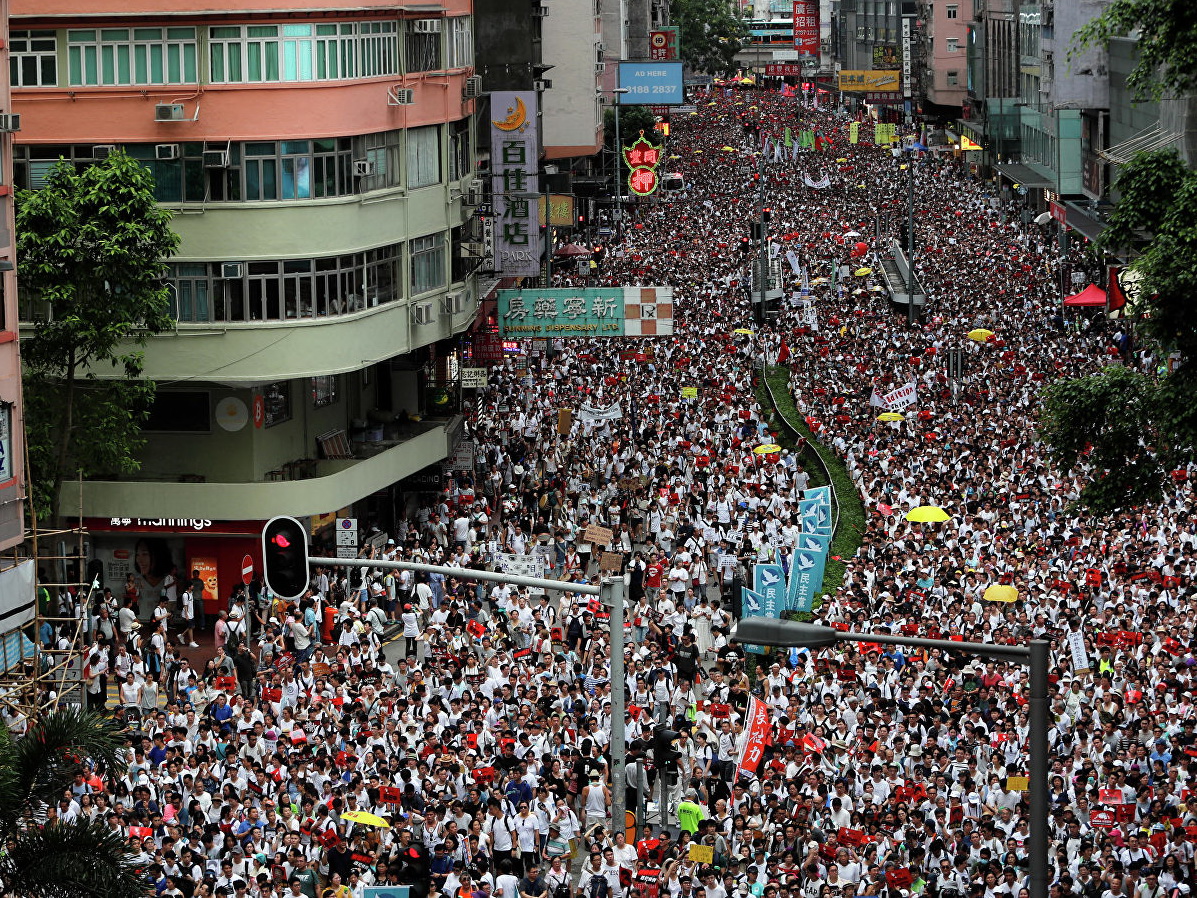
(427, 26)
(473, 87)
(455, 303)
(540, 12)
(216, 158)
(473, 195)
(10, 122)
(103, 151)
(166, 151)
(400, 96)
(542, 84)
(231, 271)
(423, 313)
(600, 67)
(362, 168)
(169, 112)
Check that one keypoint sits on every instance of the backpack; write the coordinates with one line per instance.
(598, 887)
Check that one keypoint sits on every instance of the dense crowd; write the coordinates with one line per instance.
(485, 749)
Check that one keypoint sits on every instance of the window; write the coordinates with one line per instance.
(461, 43)
(277, 401)
(953, 79)
(33, 58)
(115, 56)
(423, 157)
(953, 44)
(190, 296)
(302, 52)
(953, 12)
(427, 263)
(324, 390)
(180, 411)
(459, 150)
(384, 150)
(423, 45)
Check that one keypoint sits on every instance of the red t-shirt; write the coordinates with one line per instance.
(652, 575)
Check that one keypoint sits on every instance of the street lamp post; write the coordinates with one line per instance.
(770, 631)
(618, 151)
(909, 235)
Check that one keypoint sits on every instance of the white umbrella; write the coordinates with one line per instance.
(1043, 218)
(852, 234)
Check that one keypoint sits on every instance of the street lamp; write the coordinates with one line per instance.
(897, 152)
(770, 631)
(618, 91)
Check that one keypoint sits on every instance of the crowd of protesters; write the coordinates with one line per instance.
(484, 748)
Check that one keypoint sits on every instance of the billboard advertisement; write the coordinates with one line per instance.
(806, 27)
(870, 81)
(586, 312)
(515, 163)
(651, 83)
(886, 58)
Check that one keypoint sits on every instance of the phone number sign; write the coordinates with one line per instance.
(651, 83)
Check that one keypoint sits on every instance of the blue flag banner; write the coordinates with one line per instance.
(813, 542)
(769, 581)
(818, 521)
(752, 604)
(806, 578)
(816, 507)
(820, 493)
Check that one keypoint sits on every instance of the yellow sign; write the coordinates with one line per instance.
(1017, 784)
(966, 144)
(870, 81)
(560, 212)
(702, 854)
(516, 116)
(689, 392)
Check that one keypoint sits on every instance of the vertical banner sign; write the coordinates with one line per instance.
(1080, 656)
(906, 68)
(822, 493)
(662, 44)
(769, 581)
(818, 513)
(806, 577)
(515, 161)
(756, 737)
(806, 27)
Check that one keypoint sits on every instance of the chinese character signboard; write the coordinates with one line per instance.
(869, 81)
(782, 69)
(906, 66)
(590, 312)
(642, 158)
(806, 27)
(515, 160)
(662, 44)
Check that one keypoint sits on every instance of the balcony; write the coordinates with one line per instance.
(317, 488)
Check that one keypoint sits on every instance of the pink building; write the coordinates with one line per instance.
(12, 457)
(946, 26)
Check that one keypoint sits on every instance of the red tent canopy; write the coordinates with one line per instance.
(1092, 295)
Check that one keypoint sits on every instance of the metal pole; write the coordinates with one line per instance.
(612, 595)
(464, 574)
(910, 242)
(618, 176)
(1037, 747)
(763, 248)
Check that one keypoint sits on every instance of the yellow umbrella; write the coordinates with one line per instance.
(891, 416)
(842, 159)
(1001, 593)
(729, 149)
(925, 514)
(742, 330)
(981, 334)
(365, 818)
(818, 281)
(766, 449)
(863, 272)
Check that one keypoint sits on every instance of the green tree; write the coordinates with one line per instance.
(709, 34)
(632, 120)
(1167, 43)
(1134, 427)
(92, 246)
(83, 859)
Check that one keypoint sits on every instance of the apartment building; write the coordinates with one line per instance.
(319, 158)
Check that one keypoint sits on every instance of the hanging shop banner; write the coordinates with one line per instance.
(806, 27)
(588, 312)
(515, 161)
(756, 737)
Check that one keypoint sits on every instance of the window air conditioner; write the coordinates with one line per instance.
(423, 313)
(473, 87)
(454, 303)
(216, 158)
(400, 96)
(10, 122)
(600, 67)
(166, 151)
(169, 112)
(103, 151)
(231, 271)
(540, 12)
(473, 195)
(428, 26)
(542, 84)
(362, 168)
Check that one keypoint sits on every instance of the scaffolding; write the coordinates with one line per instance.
(37, 678)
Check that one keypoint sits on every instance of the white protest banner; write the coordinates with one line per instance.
(589, 414)
(905, 395)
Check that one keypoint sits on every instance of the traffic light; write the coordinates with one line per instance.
(756, 230)
(665, 756)
(745, 245)
(766, 215)
(285, 557)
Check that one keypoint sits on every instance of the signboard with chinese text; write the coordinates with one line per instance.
(515, 161)
(586, 312)
(662, 43)
(886, 57)
(855, 80)
(651, 82)
(783, 69)
(806, 27)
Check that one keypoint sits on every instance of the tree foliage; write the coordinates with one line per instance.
(1140, 425)
(1167, 31)
(61, 860)
(632, 120)
(92, 245)
(709, 35)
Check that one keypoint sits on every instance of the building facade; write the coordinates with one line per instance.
(945, 33)
(319, 159)
(12, 427)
